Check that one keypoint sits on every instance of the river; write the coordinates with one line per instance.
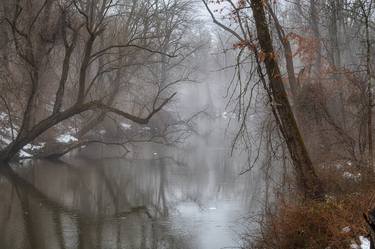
(162, 197)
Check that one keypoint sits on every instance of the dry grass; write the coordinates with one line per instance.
(334, 223)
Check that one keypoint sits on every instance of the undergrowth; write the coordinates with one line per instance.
(335, 223)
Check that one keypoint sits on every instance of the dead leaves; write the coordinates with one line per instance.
(262, 56)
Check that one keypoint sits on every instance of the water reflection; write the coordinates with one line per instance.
(155, 203)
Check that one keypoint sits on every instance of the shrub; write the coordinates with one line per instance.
(333, 224)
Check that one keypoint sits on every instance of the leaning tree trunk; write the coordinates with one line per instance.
(307, 179)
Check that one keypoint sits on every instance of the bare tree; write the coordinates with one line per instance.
(307, 179)
(79, 34)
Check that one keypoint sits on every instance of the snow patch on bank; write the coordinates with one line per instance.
(25, 154)
(6, 133)
(66, 138)
(346, 229)
(126, 126)
(34, 146)
(365, 243)
(3, 115)
(5, 140)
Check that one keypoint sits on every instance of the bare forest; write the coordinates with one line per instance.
(173, 124)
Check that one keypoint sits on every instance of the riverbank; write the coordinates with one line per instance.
(337, 222)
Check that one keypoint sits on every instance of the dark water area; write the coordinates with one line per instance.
(160, 198)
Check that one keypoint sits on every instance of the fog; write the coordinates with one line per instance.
(176, 182)
(184, 195)
(186, 124)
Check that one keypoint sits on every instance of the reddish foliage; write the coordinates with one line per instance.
(306, 47)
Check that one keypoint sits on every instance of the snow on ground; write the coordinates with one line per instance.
(34, 146)
(346, 229)
(6, 133)
(66, 138)
(5, 140)
(25, 154)
(365, 244)
(3, 115)
(126, 126)
(5, 136)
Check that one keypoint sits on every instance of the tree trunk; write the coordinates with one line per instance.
(288, 54)
(369, 96)
(314, 23)
(307, 179)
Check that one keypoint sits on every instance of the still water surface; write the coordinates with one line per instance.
(155, 200)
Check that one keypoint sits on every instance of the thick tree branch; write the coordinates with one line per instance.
(54, 119)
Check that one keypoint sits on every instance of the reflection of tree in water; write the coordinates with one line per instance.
(102, 209)
(162, 182)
